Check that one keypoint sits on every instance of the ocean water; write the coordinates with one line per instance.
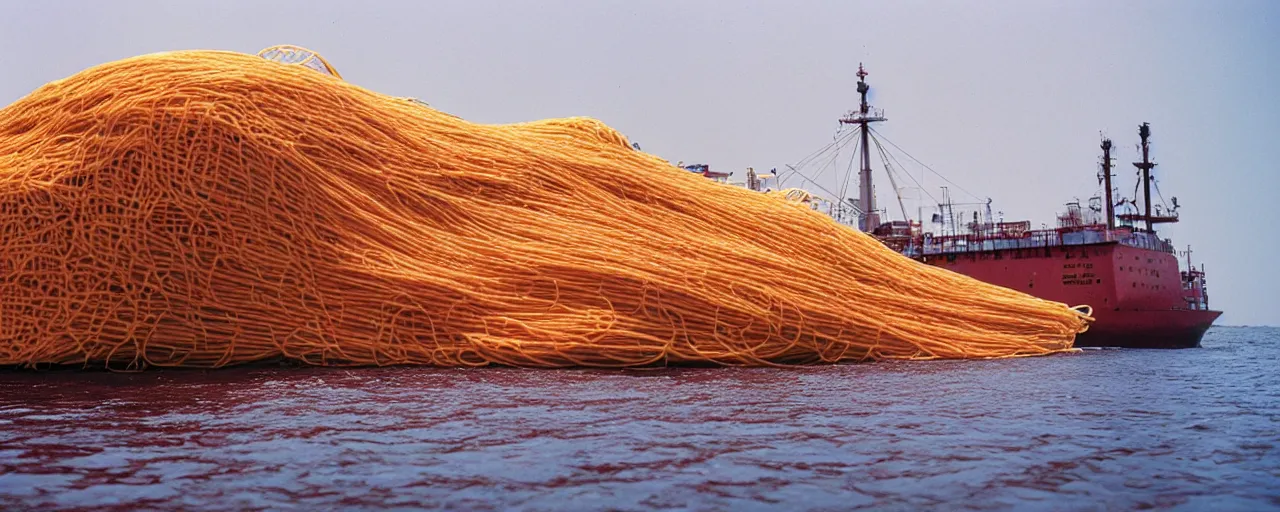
(1100, 430)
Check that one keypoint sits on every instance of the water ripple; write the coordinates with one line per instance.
(1100, 430)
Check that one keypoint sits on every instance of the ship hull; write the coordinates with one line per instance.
(1175, 328)
(1136, 293)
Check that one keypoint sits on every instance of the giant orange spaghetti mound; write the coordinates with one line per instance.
(204, 209)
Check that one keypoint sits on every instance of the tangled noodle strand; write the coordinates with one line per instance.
(205, 209)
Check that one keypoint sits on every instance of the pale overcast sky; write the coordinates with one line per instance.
(1006, 99)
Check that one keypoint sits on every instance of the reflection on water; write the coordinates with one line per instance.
(1106, 429)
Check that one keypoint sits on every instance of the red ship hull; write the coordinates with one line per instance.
(1175, 328)
(1137, 294)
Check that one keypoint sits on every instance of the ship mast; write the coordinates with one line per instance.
(1106, 178)
(1169, 215)
(863, 117)
(1144, 132)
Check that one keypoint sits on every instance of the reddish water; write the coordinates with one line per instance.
(1104, 430)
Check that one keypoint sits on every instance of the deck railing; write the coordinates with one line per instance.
(929, 245)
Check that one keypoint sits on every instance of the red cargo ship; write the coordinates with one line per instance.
(1115, 263)
(1127, 273)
